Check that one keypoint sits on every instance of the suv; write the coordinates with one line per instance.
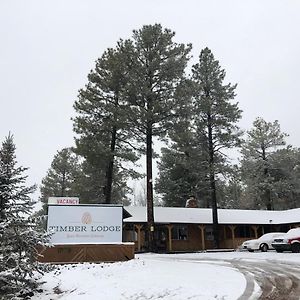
(263, 243)
(288, 242)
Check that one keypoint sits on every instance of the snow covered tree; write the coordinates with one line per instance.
(156, 66)
(285, 169)
(63, 177)
(257, 172)
(19, 236)
(182, 168)
(92, 181)
(216, 118)
(231, 191)
(104, 137)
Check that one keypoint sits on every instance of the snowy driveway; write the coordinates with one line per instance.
(269, 275)
(277, 280)
(198, 276)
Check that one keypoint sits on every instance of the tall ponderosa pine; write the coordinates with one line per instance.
(156, 66)
(216, 118)
(103, 135)
(182, 169)
(63, 177)
(19, 236)
(261, 143)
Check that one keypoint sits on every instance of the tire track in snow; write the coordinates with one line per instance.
(277, 280)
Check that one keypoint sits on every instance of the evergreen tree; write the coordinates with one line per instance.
(183, 166)
(156, 66)
(231, 191)
(182, 169)
(216, 118)
(180, 176)
(63, 177)
(104, 138)
(285, 169)
(257, 171)
(19, 237)
(91, 184)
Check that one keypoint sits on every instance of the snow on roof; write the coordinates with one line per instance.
(204, 215)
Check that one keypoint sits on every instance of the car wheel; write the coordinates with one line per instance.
(250, 250)
(279, 251)
(264, 248)
(296, 248)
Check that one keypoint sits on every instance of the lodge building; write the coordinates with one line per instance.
(190, 229)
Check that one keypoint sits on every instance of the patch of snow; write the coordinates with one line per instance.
(143, 278)
(198, 276)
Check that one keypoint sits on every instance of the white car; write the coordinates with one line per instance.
(263, 243)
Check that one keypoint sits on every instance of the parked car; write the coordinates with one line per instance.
(288, 242)
(263, 243)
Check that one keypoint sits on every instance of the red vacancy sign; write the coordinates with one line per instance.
(63, 200)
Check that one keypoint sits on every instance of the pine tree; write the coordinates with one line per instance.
(257, 172)
(285, 169)
(19, 237)
(216, 118)
(180, 176)
(104, 137)
(231, 191)
(183, 167)
(63, 177)
(156, 66)
(92, 181)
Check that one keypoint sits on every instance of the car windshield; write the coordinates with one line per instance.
(295, 232)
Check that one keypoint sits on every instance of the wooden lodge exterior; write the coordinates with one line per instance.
(190, 229)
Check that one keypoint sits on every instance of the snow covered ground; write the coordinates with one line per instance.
(159, 276)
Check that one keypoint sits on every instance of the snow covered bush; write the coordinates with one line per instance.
(19, 234)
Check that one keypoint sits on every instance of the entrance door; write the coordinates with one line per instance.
(160, 239)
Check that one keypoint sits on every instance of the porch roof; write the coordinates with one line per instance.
(166, 215)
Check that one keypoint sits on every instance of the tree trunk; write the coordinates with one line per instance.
(63, 184)
(110, 167)
(150, 213)
(267, 194)
(268, 200)
(212, 183)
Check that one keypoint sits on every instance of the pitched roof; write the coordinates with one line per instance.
(204, 216)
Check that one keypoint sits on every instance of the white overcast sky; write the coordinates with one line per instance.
(47, 48)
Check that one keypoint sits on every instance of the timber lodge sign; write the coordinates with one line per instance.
(85, 224)
(83, 228)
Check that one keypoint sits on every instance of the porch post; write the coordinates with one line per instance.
(232, 227)
(138, 229)
(255, 228)
(202, 228)
(170, 237)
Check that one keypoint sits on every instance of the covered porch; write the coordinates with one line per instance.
(190, 229)
(195, 237)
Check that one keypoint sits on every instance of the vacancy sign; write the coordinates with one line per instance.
(63, 200)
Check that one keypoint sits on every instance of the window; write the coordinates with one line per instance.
(129, 233)
(243, 231)
(209, 233)
(179, 232)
